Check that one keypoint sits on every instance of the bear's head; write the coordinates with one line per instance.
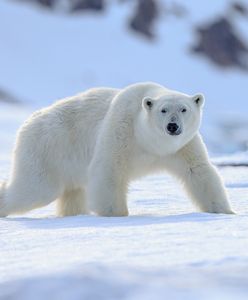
(169, 121)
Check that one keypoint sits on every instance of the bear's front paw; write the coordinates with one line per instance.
(219, 210)
(226, 211)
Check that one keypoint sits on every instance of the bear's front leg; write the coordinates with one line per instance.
(204, 186)
(106, 192)
(200, 178)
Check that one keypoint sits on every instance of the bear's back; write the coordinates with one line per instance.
(91, 102)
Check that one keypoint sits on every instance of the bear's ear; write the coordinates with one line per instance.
(198, 100)
(147, 103)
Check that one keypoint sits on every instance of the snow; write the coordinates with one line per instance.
(98, 282)
(164, 248)
(236, 159)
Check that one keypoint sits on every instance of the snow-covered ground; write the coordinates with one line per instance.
(164, 249)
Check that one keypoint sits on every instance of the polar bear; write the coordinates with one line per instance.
(84, 150)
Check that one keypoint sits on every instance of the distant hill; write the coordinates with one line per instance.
(51, 49)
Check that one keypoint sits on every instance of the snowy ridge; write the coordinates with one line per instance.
(237, 159)
(100, 282)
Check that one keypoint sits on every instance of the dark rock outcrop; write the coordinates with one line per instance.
(47, 3)
(79, 5)
(70, 5)
(220, 42)
(7, 97)
(240, 8)
(144, 17)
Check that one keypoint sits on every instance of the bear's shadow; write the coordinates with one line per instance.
(105, 222)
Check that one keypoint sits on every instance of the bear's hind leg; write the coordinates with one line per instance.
(21, 197)
(72, 203)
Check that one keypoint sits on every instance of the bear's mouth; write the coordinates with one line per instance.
(175, 133)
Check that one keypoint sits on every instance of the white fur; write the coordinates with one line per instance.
(83, 151)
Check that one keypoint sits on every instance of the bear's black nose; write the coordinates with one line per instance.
(172, 127)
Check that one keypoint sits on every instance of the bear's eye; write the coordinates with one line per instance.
(184, 110)
(149, 103)
(164, 111)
